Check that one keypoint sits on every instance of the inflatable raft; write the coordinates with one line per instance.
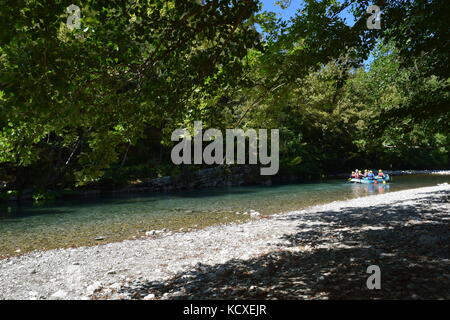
(375, 180)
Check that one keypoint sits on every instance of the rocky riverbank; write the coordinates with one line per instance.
(321, 252)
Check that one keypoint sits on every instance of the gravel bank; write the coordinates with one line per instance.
(317, 253)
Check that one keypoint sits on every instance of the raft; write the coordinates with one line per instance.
(376, 180)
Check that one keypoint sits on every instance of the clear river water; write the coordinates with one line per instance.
(77, 222)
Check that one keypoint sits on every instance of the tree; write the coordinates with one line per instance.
(79, 97)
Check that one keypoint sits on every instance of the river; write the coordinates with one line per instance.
(77, 222)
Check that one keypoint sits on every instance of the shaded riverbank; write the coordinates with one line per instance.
(319, 252)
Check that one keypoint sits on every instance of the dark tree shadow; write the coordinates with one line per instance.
(328, 257)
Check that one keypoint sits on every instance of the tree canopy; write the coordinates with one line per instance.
(86, 105)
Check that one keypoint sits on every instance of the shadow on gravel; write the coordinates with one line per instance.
(328, 257)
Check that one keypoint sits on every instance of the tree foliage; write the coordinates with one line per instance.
(102, 100)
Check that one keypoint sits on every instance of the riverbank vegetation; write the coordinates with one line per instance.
(97, 105)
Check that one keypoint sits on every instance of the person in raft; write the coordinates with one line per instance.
(380, 174)
(370, 175)
(353, 176)
(366, 173)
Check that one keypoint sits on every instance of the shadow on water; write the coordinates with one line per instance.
(204, 193)
(408, 241)
(12, 216)
(51, 206)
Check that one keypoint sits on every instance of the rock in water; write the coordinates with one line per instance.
(254, 214)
